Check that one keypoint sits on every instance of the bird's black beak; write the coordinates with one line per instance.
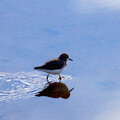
(70, 59)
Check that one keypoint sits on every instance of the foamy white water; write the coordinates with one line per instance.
(23, 84)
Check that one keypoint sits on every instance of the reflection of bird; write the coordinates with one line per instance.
(55, 90)
(55, 66)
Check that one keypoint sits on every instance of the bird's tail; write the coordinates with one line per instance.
(36, 68)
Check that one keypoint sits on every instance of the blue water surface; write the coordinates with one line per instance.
(32, 32)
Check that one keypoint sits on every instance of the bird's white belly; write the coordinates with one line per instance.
(58, 71)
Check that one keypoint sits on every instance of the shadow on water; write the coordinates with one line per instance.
(55, 90)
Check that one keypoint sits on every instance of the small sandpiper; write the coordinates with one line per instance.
(55, 66)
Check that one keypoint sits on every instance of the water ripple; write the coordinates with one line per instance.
(22, 84)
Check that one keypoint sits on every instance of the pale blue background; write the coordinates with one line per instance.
(32, 32)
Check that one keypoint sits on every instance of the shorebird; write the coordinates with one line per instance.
(55, 66)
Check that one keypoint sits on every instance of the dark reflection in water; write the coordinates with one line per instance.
(55, 90)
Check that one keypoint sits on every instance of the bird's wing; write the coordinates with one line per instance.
(52, 65)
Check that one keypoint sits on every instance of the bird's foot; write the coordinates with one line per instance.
(49, 82)
(60, 78)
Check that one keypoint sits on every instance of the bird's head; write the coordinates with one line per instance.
(65, 57)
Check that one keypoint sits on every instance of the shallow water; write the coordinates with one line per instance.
(23, 84)
(32, 32)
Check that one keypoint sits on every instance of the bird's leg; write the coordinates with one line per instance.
(60, 78)
(47, 78)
